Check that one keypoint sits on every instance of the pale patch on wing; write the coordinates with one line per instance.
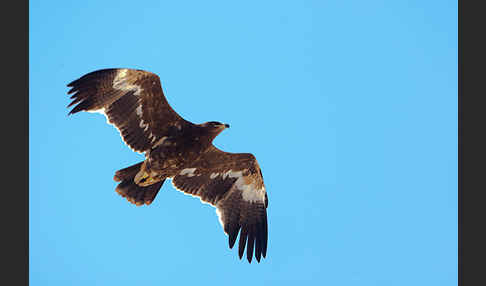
(252, 195)
(122, 73)
(188, 172)
(120, 82)
(213, 175)
(249, 191)
(153, 137)
(143, 124)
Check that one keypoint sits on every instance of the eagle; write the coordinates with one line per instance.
(133, 101)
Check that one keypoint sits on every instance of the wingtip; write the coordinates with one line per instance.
(72, 83)
(258, 254)
(232, 240)
(73, 111)
(72, 88)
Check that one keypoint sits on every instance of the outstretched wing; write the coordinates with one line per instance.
(132, 100)
(233, 183)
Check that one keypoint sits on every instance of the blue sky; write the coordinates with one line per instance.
(350, 108)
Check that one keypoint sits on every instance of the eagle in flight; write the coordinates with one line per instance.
(133, 101)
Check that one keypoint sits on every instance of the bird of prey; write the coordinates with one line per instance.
(133, 101)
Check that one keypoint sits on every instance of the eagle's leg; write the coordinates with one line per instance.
(133, 192)
(143, 178)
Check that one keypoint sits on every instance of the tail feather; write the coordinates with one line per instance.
(134, 193)
(128, 172)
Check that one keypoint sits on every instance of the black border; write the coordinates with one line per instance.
(471, 143)
(14, 209)
(459, 143)
(461, 279)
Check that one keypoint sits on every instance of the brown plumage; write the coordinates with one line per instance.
(174, 148)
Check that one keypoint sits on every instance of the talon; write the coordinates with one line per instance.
(149, 181)
(140, 177)
(143, 179)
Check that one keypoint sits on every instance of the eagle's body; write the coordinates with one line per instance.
(174, 148)
(172, 153)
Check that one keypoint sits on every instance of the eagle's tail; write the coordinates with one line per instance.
(131, 191)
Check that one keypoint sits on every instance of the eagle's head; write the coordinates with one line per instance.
(213, 128)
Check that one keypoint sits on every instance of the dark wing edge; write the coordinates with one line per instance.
(234, 185)
(132, 100)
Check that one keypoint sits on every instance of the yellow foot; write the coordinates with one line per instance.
(147, 182)
(143, 179)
